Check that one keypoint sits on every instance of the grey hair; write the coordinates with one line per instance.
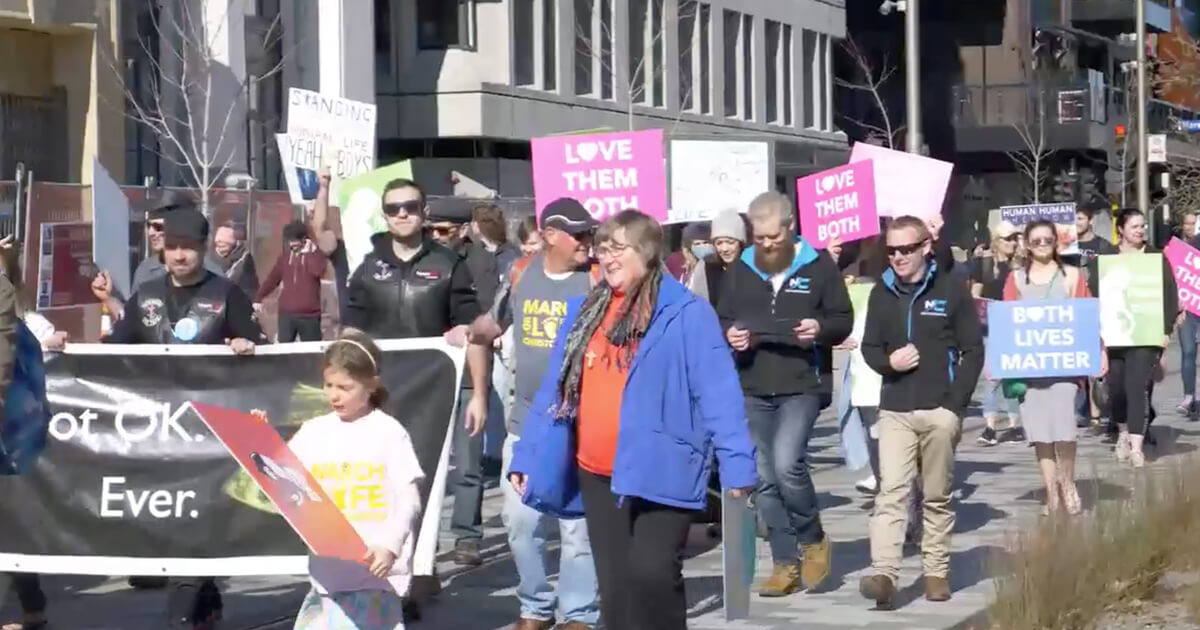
(775, 205)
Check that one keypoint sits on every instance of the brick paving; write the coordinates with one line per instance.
(998, 490)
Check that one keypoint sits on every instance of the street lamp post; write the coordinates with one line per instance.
(1143, 166)
(912, 59)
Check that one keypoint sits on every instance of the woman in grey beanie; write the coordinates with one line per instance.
(728, 234)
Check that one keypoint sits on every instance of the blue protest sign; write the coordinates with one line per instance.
(1043, 339)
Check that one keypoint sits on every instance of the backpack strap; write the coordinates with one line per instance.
(1071, 279)
(518, 269)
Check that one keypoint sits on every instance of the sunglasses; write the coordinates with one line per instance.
(443, 230)
(407, 207)
(156, 226)
(1041, 241)
(1012, 238)
(904, 250)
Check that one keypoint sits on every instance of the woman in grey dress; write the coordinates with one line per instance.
(1048, 406)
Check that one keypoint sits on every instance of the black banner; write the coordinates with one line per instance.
(133, 483)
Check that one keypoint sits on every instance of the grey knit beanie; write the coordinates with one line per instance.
(729, 224)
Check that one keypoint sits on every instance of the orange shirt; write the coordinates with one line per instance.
(600, 390)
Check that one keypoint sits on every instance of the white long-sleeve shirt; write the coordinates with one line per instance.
(370, 471)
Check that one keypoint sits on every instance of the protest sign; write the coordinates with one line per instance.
(1062, 215)
(710, 176)
(1131, 300)
(905, 183)
(1185, 266)
(607, 172)
(865, 383)
(325, 131)
(110, 228)
(739, 551)
(65, 266)
(360, 199)
(1043, 339)
(134, 483)
(838, 204)
(281, 476)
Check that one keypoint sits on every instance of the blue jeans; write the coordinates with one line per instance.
(577, 589)
(995, 403)
(1187, 353)
(786, 498)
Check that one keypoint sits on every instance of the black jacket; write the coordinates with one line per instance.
(208, 312)
(938, 316)
(776, 363)
(424, 297)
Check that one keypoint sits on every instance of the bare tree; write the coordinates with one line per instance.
(1033, 161)
(191, 100)
(645, 70)
(873, 82)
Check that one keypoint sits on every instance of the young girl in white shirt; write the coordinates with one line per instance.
(364, 460)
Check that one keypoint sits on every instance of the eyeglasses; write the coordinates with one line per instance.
(412, 206)
(611, 249)
(904, 250)
(156, 226)
(1041, 241)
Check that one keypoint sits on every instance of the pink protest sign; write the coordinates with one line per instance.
(1185, 266)
(905, 183)
(837, 204)
(606, 172)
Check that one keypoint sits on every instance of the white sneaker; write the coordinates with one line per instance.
(867, 485)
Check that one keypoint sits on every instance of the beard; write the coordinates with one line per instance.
(776, 260)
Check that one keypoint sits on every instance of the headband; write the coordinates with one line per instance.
(360, 347)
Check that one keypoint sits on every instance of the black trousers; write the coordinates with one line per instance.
(1130, 384)
(638, 550)
(192, 600)
(306, 328)
(29, 593)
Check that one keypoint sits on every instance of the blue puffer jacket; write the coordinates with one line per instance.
(26, 410)
(682, 401)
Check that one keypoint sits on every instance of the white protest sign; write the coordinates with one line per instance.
(325, 130)
(709, 176)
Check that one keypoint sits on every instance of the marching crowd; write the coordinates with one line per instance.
(631, 381)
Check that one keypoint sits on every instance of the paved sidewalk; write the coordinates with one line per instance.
(998, 491)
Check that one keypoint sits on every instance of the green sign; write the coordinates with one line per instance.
(865, 383)
(1131, 300)
(360, 199)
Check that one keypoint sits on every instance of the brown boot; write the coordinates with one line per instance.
(937, 589)
(533, 624)
(818, 558)
(879, 588)
(784, 580)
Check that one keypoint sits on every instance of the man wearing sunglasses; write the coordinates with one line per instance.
(922, 334)
(409, 285)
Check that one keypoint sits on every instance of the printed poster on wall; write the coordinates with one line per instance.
(606, 172)
(1131, 300)
(905, 183)
(1185, 266)
(1062, 215)
(65, 266)
(711, 176)
(328, 131)
(1043, 339)
(838, 204)
(865, 383)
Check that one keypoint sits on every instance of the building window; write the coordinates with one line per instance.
(444, 23)
(647, 52)
(549, 45)
(824, 92)
(705, 56)
(606, 49)
(383, 39)
(747, 66)
(524, 68)
(687, 56)
(585, 47)
(779, 73)
(732, 21)
(655, 70)
(809, 44)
